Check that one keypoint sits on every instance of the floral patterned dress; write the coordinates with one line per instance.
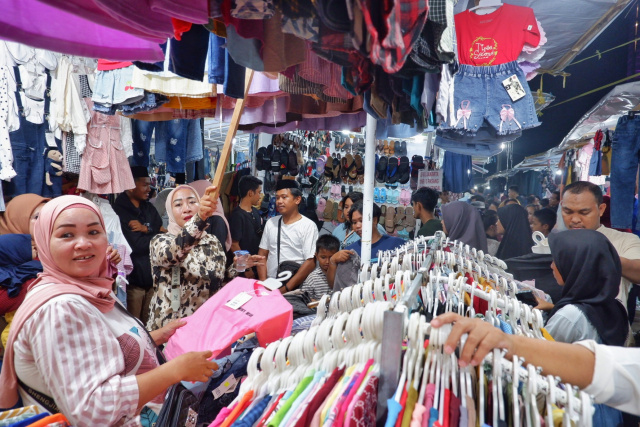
(201, 260)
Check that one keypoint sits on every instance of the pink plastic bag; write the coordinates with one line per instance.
(215, 326)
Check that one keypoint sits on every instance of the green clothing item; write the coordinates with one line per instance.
(277, 419)
(430, 227)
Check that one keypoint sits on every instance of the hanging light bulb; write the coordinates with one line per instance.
(558, 172)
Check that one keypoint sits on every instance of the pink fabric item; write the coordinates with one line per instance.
(417, 416)
(173, 226)
(200, 186)
(222, 415)
(195, 11)
(104, 168)
(344, 412)
(96, 290)
(50, 25)
(269, 324)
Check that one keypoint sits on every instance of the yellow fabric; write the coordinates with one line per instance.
(557, 414)
(546, 335)
(606, 160)
(12, 413)
(5, 333)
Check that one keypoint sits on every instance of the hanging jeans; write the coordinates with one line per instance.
(28, 145)
(457, 172)
(625, 155)
(170, 143)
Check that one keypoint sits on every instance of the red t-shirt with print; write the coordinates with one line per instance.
(495, 38)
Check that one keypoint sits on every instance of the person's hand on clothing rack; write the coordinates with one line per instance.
(482, 338)
(208, 203)
(340, 257)
(573, 363)
(544, 305)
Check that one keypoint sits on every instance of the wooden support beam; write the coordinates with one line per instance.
(231, 132)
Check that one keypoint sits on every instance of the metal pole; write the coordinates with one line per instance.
(369, 183)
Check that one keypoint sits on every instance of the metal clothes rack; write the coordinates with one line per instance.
(392, 335)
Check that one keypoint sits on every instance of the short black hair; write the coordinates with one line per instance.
(427, 197)
(546, 216)
(489, 218)
(533, 205)
(359, 207)
(580, 187)
(354, 196)
(328, 243)
(515, 188)
(557, 193)
(477, 198)
(544, 203)
(248, 183)
(531, 200)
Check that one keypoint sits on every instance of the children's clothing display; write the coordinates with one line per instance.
(496, 38)
(104, 168)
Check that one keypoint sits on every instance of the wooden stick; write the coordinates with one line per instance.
(231, 133)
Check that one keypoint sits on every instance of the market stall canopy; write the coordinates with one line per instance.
(603, 115)
(570, 25)
(95, 34)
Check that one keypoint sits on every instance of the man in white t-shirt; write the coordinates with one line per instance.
(582, 207)
(298, 235)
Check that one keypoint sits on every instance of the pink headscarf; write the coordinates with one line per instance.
(96, 290)
(200, 187)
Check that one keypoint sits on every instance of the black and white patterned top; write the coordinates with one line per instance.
(71, 157)
(85, 89)
(202, 262)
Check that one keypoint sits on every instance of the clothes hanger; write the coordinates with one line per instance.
(515, 382)
(532, 389)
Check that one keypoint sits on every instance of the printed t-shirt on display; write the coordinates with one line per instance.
(495, 38)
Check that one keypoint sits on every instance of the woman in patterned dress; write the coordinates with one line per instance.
(196, 259)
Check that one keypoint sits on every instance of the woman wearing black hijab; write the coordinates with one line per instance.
(514, 225)
(462, 222)
(588, 267)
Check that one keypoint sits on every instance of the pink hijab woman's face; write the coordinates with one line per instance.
(78, 243)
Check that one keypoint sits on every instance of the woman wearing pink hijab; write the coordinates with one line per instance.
(73, 342)
(188, 263)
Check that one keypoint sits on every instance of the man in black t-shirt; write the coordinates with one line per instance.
(245, 222)
(140, 222)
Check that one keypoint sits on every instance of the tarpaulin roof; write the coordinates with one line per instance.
(603, 115)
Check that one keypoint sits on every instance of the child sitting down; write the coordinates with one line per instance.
(316, 284)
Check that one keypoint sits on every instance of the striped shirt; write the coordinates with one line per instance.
(316, 284)
(85, 360)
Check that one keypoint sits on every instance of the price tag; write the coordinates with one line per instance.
(227, 386)
(271, 284)
(239, 300)
(514, 88)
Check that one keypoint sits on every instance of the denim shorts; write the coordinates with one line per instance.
(479, 95)
(485, 143)
(114, 88)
